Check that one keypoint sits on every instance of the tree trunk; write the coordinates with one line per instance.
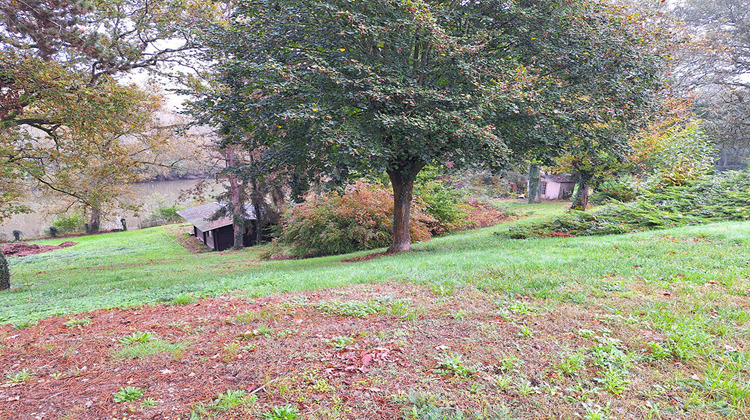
(256, 199)
(581, 197)
(95, 219)
(402, 181)
(4, 272)
(534, 184)
(235, 196)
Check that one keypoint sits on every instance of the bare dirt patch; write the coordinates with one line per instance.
(183, 235)
(22, 249)
(358, 352)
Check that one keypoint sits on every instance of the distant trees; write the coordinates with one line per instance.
(65, 119)
(63, 113)
(715, 70)
(345, 88)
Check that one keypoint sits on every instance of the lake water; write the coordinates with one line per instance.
(151, 194)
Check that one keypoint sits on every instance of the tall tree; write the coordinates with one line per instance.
(391, 85)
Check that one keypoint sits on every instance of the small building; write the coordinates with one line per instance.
(218, 234)
(556, 187)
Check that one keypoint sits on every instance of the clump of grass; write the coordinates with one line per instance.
(183, 299)
(127, 394)
(24, 323)
(78, 323)
(455, 365)
(136, 337)
(571, 365)
(232, 398)
(286, 412)
(349, 308)
(340, 342)
(19, 377)
(140, 350)
(261, 330)
(253, 316)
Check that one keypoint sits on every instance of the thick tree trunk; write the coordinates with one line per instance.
(402, 180)
(4, 272)
(95, 220)
(581, 198)
(235, 196)
(534, 181)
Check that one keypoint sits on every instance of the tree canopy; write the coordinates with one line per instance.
(345, 87)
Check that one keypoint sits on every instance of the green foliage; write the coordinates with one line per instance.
(136, 337)
(710, 198)
(455, 365)
(232, 398)
(359, 219)
(140, 350)
(425, 406)
(340, 342)
(71, 223)
(620, 189)
(350, 88)
(287, 412)
(127, 394)
(682, 154)
(350, 308)
(79, 323)
(19, 377)
(442, 201)
(183, 299)
(166, 214)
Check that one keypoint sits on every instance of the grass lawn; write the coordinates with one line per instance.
(470, 325)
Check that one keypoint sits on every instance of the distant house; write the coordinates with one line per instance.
(217, 234)
(556, 187)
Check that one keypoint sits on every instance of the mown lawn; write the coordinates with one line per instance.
(653, 324)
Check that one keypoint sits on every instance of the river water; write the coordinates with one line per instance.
(151, 194)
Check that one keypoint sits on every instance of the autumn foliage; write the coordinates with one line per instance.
(360, 218)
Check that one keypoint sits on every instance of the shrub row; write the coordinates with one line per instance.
(709, 199)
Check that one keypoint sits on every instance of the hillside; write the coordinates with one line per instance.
(471, 325)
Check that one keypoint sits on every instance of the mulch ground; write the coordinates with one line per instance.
(280, 348)
(22, 249)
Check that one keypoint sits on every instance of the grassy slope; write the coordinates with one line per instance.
(674, 305)
(149, 266)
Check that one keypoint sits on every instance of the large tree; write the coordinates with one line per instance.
(347, 88)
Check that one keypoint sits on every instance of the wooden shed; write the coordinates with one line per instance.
(218, 234)
(556, 187)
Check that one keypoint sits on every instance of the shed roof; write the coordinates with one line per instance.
(200, 216)
(562, 179)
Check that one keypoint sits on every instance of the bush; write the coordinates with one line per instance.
(72, 223)
(443, 203)
(359, 219)
(618, 189)
(166, 214)
(682, 154)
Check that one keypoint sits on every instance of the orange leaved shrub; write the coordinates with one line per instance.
(361, 218)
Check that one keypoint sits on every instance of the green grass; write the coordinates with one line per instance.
(150, 266)
(671, 308)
